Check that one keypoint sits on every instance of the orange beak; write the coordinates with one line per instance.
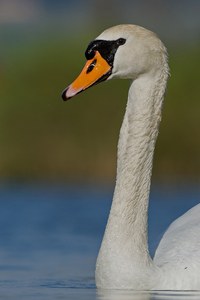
(95, 70)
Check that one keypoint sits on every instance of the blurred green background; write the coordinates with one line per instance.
(42, 51)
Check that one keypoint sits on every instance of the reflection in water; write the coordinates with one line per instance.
(122, 295)
(145, 295)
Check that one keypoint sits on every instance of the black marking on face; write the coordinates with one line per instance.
(107, 49)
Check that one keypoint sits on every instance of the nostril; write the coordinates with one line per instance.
(91, 66)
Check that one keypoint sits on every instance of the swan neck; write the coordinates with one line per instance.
(125, 242)
(135, 157)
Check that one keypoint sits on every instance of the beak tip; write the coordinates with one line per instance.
(70, 92)
(64, 95)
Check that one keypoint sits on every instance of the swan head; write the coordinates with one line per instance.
(123, 51)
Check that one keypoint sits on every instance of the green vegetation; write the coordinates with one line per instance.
(43, 137)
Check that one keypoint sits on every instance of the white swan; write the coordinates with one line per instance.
(130, 51)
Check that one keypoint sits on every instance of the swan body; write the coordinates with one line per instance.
(130, 51)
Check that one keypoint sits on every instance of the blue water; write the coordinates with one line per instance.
(50, 236)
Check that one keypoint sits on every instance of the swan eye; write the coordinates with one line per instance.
(121, 41)
(91, 66)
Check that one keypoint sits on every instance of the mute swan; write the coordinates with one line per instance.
(130, 51)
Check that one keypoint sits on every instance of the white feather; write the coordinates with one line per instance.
(124, 260)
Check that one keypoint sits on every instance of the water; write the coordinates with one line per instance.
(50, 236)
